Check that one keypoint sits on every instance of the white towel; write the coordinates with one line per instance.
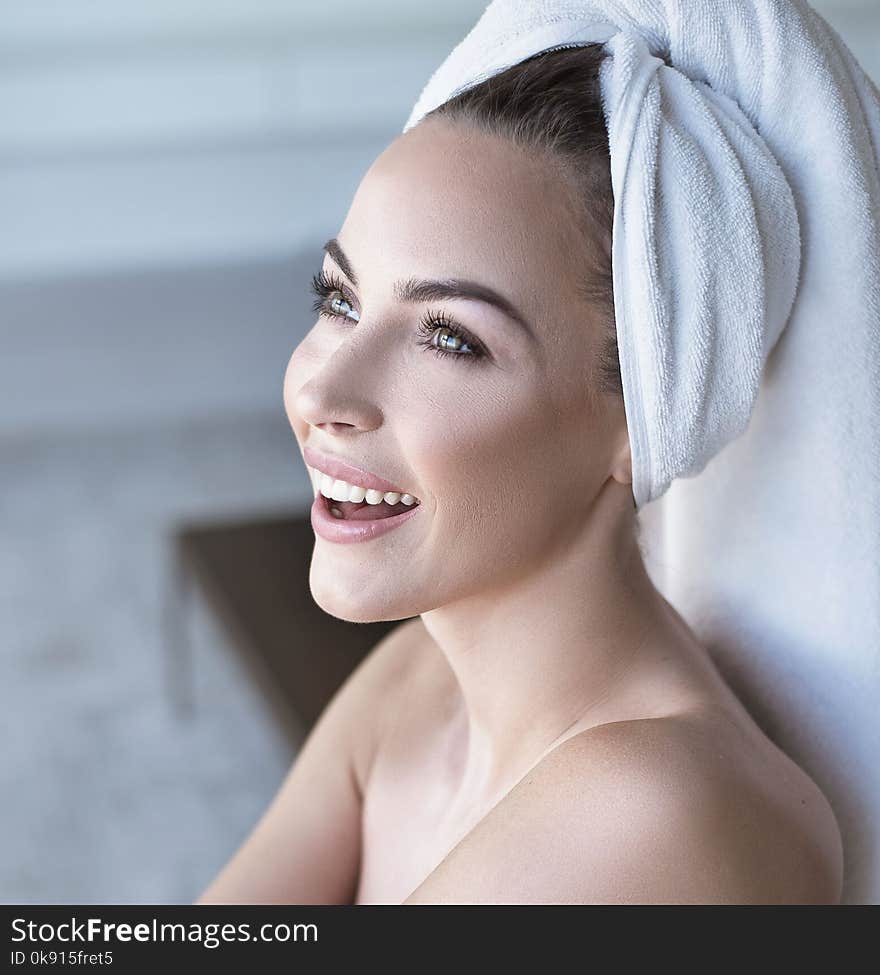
(744, 142)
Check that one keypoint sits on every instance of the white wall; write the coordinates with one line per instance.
(179, 132)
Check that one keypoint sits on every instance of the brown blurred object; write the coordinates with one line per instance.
(255, 576)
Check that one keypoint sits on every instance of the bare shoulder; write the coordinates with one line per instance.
(651, 811)
(752, 824)
(306, 847)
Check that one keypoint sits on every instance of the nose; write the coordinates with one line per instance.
(341, 393)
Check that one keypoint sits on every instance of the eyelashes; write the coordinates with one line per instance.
(325, 286)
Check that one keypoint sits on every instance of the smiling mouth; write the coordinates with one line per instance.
(372, 505)
(363, 510)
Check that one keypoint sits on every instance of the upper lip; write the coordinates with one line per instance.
(335, 467)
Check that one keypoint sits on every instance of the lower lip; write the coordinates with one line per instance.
(333, 529)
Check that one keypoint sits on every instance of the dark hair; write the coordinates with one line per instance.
(551, 102)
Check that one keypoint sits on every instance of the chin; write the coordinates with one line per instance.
(356, 603)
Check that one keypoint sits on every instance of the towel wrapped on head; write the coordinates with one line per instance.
(744, 139)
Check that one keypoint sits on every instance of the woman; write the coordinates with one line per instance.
(547, 729)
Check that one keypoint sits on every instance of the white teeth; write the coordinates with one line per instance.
(338, 490)
(327, 485)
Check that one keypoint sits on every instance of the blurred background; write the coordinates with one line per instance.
(168, 173)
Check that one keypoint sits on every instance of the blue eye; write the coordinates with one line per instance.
(331, 300)
(329, 292)
(457, 338)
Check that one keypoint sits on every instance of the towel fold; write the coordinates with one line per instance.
(744, 141)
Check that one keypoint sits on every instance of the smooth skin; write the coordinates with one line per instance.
(546, 729)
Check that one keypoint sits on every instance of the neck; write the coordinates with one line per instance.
(534, 656)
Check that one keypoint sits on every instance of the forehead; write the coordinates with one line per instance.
(443, 200)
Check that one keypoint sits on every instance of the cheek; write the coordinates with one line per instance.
(497, 458)
(488, 450)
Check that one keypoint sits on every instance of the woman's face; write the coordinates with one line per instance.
(507, 449)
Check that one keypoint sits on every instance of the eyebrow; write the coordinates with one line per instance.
(419, 290)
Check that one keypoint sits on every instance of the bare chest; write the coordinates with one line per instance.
(400, 847)
(417, 809)
(411, 819)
